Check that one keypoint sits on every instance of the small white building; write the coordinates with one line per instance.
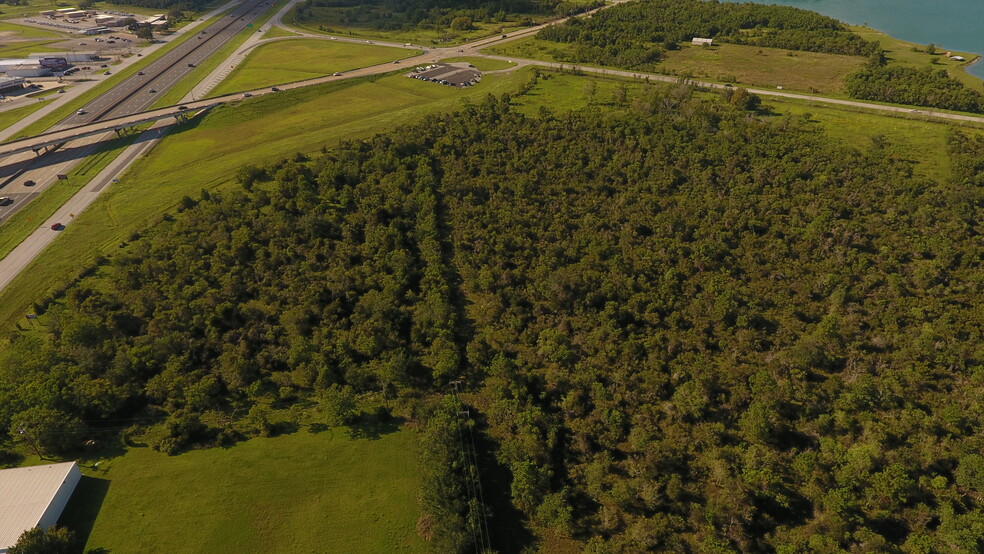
(33, 497)
(702, 41)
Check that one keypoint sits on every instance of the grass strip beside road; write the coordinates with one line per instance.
(181, 89)
(9, 117)
(482, 64)
(52, 119)
(287, 61)
(24, 222)
(205, 154)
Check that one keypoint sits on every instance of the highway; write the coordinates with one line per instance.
(133, 94)
(24, 253)
(26, 176)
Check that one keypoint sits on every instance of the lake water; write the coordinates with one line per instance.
(950, 24)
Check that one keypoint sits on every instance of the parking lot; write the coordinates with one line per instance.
(458, 74)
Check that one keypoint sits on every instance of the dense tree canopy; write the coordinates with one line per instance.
(431, 14)
(684, 325)
(633, 35)
(917, 87)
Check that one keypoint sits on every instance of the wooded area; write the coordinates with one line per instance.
(635, 35)
(682, 325)
(388, 15)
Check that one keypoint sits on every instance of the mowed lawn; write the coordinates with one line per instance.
(286, 61)
(296, 493)
(206, 155)
(763, 67)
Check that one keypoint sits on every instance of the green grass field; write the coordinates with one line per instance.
(11, 30)
(287, 61)
(21, 49)
(326, 21)
(185, 86)
(204, 155)
(277, 32)
(302, 492)
(9, 117)
(763, 67)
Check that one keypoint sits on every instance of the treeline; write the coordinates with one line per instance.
(242, 298)
(432, 14)
(634, 34)
(925, 86)
(687, 327)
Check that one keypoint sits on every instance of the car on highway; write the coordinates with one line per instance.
(182, 107)
(81, 44)
(107, 72)
(29, 183)
(81, 112)
(57, 226)
(103, 65)
(140, 73)
(336, 74)
(5, 200)
(246, 95)
(191, 64)
(152, 91)
(61, 91)
(274, 89)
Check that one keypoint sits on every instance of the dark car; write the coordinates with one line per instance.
(29, 183)
(57, 226)
(152, 91)
(140, 73)
(191, 65)
(182, 107)
(274, 89)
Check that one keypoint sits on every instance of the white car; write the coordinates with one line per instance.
(81, 112)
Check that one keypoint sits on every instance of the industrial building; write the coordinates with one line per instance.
(33, 497)
(9, 84)
(24, 67)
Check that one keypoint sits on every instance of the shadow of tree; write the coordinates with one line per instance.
(374, 427)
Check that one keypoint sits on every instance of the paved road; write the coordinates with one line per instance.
(17, 260)
(129, 96)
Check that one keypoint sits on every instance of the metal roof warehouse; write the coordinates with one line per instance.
(33, 497)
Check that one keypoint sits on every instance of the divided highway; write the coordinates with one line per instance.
(133, 94)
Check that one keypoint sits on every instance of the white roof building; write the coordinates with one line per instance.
(33, 497)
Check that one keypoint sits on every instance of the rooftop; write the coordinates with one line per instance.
(25, 494)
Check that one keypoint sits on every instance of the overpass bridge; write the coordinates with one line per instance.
(40, 143)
